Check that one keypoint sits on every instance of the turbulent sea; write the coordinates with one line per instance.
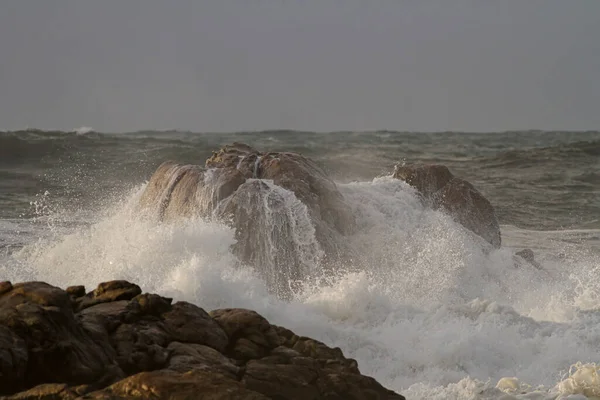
(433, 316)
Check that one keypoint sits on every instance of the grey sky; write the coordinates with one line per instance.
(229, 65)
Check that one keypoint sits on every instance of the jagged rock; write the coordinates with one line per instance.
(76, 291)
(5, 287)
(250, 335)
(457, 197)
(167, 384)
(188, 323)
(142, 346)
(58, 347)
(47, 391)
(110, 291)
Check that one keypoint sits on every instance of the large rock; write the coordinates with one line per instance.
(289, 216)
(56, 344)
(457, 197)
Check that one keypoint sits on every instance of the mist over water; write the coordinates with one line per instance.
(425, 307)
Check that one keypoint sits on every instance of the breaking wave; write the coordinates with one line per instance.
(425, 308)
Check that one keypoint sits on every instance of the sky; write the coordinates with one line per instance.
(318, 65)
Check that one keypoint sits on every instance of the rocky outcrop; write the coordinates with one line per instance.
(286, 211)
(457, 197)
(117, 342)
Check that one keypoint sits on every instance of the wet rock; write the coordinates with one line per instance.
(5, 287)
(188, 323)
(455, 196)
(528, 255)
(13, 358)
(250, 335)
(76, 291)
(468, 207)
(178, 191)
(269, 198)
(187, 356)
(142, 346)
(110, 291)
(48, 391)
(167, 384)
(58, 348)
(427, 179)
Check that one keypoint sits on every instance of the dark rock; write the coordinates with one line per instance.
(250, 335)
(47, 391)
(427, 179)
(468, 207)
(58, 348)
(187, 356)
(457, 197)
(281, 381)
(110, 291)
(167, 384)
(131, 345)
(153, 304)
(5, 287)
(13, 359)
(76, 291)
(188, 323)
(528, 255)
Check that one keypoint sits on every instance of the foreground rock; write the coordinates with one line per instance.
(116, 342)
(442, 190)
(285, 210)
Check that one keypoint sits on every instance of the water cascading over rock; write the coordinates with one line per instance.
(457, 197)
(288, 214)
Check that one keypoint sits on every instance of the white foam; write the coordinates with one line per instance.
(83, 130)
(429, 313)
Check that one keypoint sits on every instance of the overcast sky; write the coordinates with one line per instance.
(231, 65)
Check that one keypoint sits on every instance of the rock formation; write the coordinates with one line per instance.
(287, 212)
(457, 197)
(117, 342)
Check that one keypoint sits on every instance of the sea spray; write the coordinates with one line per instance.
(426, 310)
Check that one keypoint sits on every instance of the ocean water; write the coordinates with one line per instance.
(430, 312)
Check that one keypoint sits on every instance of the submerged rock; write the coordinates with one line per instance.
(528, 256)
(133, 345)
(457, 197)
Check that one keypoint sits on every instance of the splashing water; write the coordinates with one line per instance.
(427, 310)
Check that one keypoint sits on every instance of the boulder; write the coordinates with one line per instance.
(457, 197)
(288, 214)
(141, 346)
(528, 256)
(50, 345)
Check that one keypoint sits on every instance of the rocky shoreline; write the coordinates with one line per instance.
(116, 342)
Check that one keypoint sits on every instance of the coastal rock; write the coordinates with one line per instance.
(457, 197)
(39, 320)
(267, 198)
(142, 346)
(529, 257)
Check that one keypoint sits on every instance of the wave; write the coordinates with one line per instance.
(428, 312)
(568, 152)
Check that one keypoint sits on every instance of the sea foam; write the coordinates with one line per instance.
(427, 308)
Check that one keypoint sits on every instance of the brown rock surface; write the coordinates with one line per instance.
(457, 197)
(250, 190)
(141, 346)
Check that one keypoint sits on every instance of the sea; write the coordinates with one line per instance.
(432, 314)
